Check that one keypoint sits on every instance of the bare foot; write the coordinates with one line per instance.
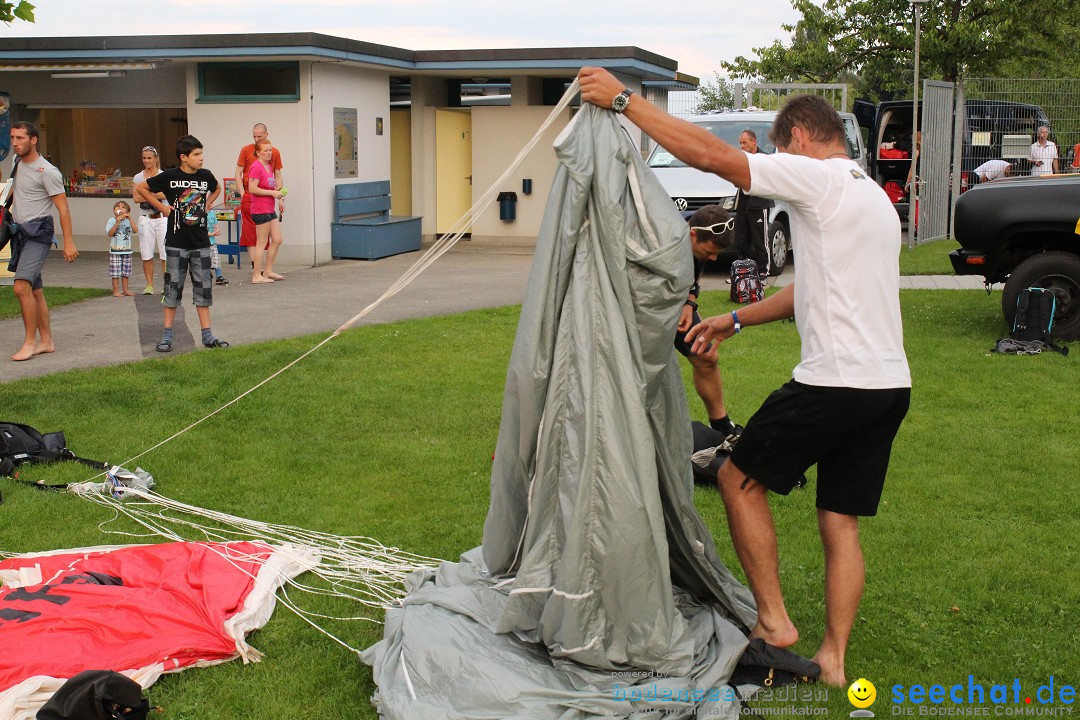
(274, 276)
(42, 348)
(25, 353)
(832, 669)
(261, 280)
(128, 293)
(779, 637)
(117, 294)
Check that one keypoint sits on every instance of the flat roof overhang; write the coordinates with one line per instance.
(25, 53)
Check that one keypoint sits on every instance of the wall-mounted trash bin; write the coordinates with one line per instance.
(508, 206)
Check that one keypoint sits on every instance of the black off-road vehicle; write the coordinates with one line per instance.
(1024, 232)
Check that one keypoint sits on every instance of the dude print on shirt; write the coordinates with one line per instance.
(191, 203)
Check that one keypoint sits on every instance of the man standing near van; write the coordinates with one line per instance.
(1044, 154)
(38, 189)
(247, 156)
(851, 388)
(752, 218)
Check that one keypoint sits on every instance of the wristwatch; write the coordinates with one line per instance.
(621, 101)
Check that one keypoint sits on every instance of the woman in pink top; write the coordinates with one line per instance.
(266, 205)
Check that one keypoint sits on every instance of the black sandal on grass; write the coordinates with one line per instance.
(165, 345)
(216, 343)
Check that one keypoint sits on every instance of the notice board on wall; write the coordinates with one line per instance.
(345, 143)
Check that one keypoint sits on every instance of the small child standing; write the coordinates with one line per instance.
(214, 231)
(119, 230)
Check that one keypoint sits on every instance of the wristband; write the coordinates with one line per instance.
(738, 325)
(692, 304)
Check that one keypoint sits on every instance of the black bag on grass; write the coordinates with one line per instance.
(768, 666)
(746, 282)
(97, 695)
(1034, 315)
(22, 444)
(1032, 326)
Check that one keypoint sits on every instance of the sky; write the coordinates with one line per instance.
(698, 34)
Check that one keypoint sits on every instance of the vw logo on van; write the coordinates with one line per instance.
(680, 204)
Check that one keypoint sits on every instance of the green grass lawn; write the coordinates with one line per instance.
(929, 259)
(972, 562)
(55, 296)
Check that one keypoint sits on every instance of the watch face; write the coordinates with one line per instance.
(619, 103)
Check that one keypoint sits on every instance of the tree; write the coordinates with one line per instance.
(873, 40)
(715, 95)
(22, 10)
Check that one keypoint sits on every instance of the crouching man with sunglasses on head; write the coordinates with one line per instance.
(711, 230)
(850, 390)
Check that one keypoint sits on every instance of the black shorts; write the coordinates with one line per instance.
(263, 218)
(847, 432)
(680, 337)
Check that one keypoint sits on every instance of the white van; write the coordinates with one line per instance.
(690, 189)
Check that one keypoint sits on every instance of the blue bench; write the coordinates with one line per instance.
(363, 226)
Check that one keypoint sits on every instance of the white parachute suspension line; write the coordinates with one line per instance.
(437, 250)
(354, 568)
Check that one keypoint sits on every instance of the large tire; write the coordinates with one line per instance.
(1055, 271)
(779, 241)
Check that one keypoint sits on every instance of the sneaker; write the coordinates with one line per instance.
(148, 290)
(221, 280)
(727, 281)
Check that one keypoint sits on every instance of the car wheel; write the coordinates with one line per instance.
(779, 247)
(1058, 272)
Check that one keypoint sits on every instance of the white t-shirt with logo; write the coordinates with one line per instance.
(846, 238)
(36, 183)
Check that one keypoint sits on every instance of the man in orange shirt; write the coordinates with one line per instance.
(247, 156)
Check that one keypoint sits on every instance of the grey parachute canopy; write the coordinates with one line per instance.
(597, 591)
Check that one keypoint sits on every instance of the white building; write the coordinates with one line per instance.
(440, 125)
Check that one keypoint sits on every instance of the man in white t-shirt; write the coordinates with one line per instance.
(992, 170)
(1044, 154)
(851, 388)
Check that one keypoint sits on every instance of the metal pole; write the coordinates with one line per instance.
(913, 196)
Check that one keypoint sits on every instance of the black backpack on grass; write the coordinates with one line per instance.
(746, 282)
(22, 444)
(1034, 320)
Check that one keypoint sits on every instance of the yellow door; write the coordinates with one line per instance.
(400, 161)
(453, 167)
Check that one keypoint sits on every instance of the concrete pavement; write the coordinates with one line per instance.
(108, 331)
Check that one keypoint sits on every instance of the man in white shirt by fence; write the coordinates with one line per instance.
(1044, 154)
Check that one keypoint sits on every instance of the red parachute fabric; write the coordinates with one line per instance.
(170, 608)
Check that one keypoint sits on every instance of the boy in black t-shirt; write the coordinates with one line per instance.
(190, 192)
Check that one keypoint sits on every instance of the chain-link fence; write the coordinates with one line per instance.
(683, 103)
(762, 96)
(772, 96)
(1003, 116)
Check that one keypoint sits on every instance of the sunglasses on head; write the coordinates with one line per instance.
(718, 228)
(151, 148)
